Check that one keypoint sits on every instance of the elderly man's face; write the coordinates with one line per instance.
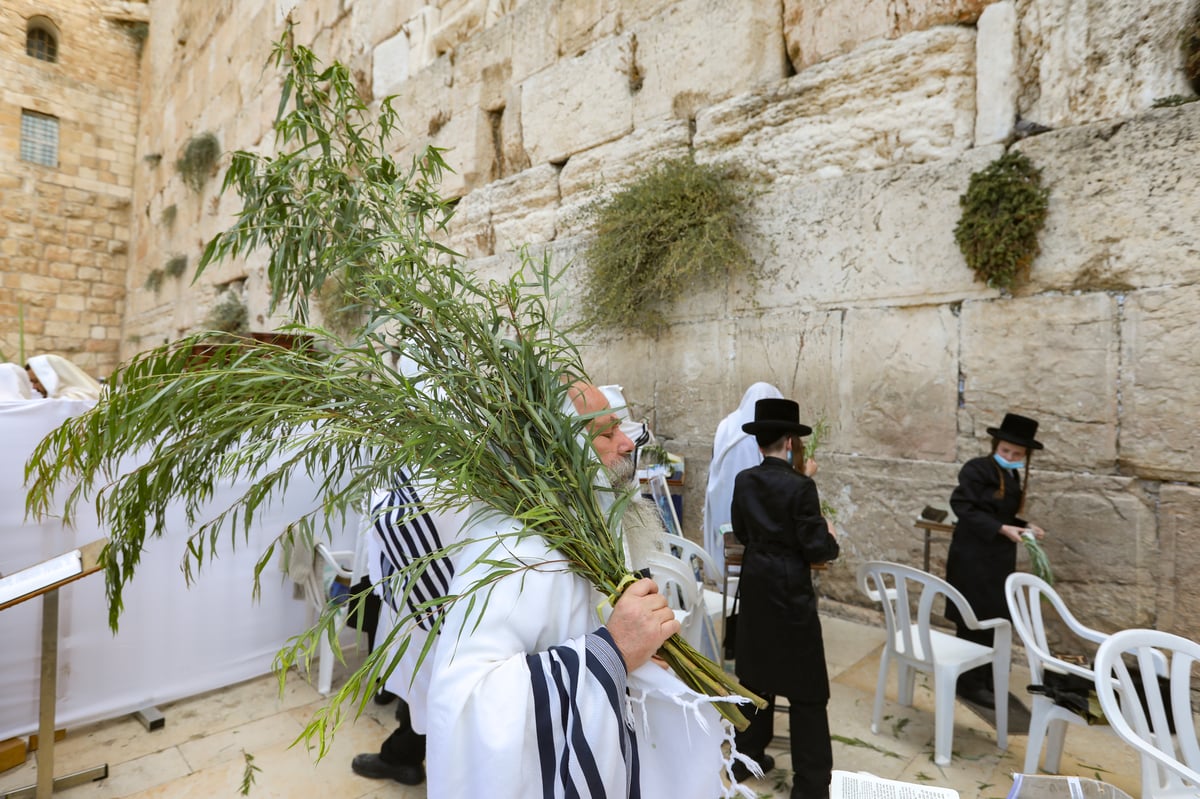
(614, 447)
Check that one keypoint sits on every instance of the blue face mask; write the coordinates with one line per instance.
(1008, 464)
(789, 458)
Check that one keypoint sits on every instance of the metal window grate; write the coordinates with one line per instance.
(40, 44)
(39, 138)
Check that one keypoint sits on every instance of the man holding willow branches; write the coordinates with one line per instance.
(442, 373)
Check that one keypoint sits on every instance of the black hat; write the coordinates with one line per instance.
(776, 415)
(1017, 429)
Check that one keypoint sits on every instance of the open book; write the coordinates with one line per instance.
(860, 785)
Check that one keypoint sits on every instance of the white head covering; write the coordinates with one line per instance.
(638, 432)
(733, 451)
(14, 383)
(63, 379)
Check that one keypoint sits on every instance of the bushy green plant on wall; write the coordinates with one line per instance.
(199, 155)
(1003, 210)
(673, 229)
(229, 314)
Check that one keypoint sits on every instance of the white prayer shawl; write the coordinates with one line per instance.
(531, 698)
(396, 540)
(63, 379)
(14, 383)
(733, 451)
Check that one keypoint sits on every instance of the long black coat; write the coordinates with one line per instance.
(776, 514)
(980, 558)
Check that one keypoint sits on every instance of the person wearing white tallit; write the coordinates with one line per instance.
(532, 696)
(15, 384)
(61, 379)
(733, 451)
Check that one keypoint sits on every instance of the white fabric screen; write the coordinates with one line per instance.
(174, 641)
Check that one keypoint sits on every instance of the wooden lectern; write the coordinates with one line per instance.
(44, 579)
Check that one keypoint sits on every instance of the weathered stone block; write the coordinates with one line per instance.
(1160, 376)
(898, 373)
(817, 30)
(1054, 358)
(686, 355)
(579, 102)
(996, 73)
(1124, 198)
(678, 76)
(887, 103)
(524, 207)
(880, 237)
(1101, 59)
(1179, 534)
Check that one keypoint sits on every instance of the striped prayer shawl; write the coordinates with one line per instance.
(568, 766)
(407, 532)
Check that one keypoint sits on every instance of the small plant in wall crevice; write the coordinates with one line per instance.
(1003, 210)
(229, 314)
(673, 229)
(199, 156)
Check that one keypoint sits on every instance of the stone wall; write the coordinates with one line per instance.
(858, 126)
(65, 231)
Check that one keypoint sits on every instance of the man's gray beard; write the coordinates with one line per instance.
(642, 524)
(622, 473)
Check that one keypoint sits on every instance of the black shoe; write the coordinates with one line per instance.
(741, 772)
(384, 697)
(979, 695)
(372, 766)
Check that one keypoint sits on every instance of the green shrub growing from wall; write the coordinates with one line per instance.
(200, 154)
(673, 229)
(228, 315)
(1003, 210)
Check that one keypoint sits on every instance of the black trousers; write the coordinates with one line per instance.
(405, 746)
(812, 750)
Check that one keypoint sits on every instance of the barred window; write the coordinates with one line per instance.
(40, 44)
(39, 138)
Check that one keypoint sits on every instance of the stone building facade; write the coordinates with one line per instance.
(68, 125)
(858, 124)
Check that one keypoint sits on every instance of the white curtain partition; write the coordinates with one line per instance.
(174, 640)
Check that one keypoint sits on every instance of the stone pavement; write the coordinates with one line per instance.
(200, 752)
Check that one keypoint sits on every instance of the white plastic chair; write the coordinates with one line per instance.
(349, 565)
(1027, 597)
(678, 584)
(916, 646)
(700, 563)
(1170, 763)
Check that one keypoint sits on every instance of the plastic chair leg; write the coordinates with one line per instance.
(324, 667)
(880, 687)
(1056, 737)
(1037, 737)
(906, 680)
(1000, 689)
(943, 716)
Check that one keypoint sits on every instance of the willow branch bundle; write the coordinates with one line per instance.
(1039, 564)
(449, 376)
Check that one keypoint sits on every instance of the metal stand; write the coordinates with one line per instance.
(46, 782)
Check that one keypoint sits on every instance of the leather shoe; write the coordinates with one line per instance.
(741, 772)
(372, 766)
(979, 695)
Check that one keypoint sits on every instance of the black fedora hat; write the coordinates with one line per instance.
(776, 415)
(1018, 430)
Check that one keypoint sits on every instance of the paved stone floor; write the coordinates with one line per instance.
(198, 753)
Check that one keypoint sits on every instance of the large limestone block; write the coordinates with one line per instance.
(898, 379)
(817, 30)
(687, 358)
(910, 100)
(679, 69)
(1179, 532)
(1124, 199)
(524, 207)
(1160, 383)
(876, 238)
(798, 353)
(596, 173)
(1054, 358)
(579, 102)
(876, 502)
(1087, 60)
(996, 73)
(582, 22)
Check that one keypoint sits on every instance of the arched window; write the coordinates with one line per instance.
(40, 41)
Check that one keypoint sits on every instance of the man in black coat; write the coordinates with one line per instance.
(776, 515)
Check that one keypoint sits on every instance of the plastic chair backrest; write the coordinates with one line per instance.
(900, 589)
(693, 555)
(1170, 763)
(674, 581)
(1027, 596)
